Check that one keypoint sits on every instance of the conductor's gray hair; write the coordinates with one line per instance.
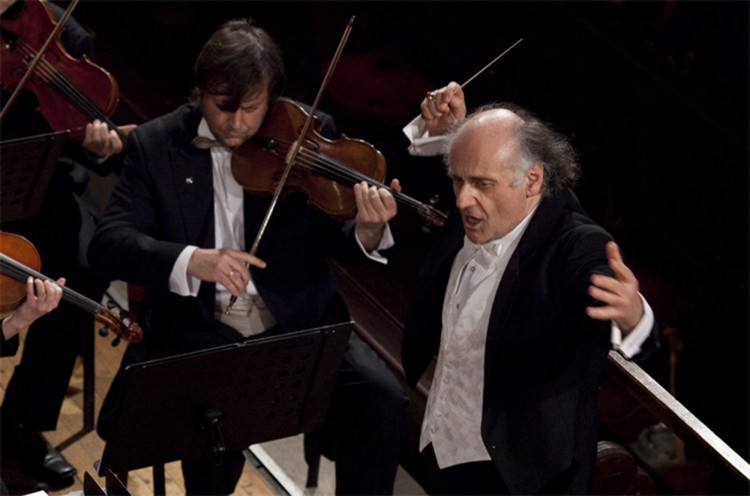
(539, 144)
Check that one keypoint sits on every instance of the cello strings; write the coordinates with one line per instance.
(20, 272)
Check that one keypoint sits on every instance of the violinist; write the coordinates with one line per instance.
(538, 296)
(60, 232)
(179, 224)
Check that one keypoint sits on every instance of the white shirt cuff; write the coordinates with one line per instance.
(386, 241)
(630, 345)
(179, 281)
(422, 144)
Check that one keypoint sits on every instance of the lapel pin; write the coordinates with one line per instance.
(189, 180)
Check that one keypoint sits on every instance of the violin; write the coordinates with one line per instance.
(321, 168)
(71, 92)
(288, 153)
(20, 259)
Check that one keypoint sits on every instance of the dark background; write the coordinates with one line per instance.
(653, 94)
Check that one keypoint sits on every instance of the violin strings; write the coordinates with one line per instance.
(312, 160)
(331, 168)
(62, 85)
(20, 272)
(334, 170)
(48, 73)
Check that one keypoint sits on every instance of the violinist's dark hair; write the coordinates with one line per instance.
(539, 143)
(238, 59)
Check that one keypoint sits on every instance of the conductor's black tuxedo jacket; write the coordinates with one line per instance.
(543, 357)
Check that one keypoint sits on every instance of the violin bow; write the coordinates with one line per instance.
(294, 150)
(32, 65)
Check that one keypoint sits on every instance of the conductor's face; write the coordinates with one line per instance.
(483, 159)
(232, 125)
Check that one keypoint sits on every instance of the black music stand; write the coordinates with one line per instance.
(91, 487)
(226, 398)
(114, 486)
(26, 166)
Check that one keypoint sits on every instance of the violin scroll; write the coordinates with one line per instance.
(131, 332)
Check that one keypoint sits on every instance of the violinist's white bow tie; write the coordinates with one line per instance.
(203, 143)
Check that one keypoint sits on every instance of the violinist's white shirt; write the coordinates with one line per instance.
(249, 314)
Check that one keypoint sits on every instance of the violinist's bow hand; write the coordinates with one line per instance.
(226, 266)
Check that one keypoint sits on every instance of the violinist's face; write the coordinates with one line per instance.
(483, 159)
(234, 126)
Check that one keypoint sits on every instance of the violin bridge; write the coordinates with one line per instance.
(292, 150)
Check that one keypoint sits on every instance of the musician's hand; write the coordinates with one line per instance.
(41, 298)
(622, 301)
(375, 207)
(225, 266)
(102, 141)
(442, 107)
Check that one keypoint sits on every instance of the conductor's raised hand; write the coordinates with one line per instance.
(443, 107)
(622, 302)
(226, 266)
(375, 207)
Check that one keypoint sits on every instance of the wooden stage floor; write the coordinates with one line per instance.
(82, 450)
(273, 468)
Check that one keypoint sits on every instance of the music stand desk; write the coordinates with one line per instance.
(26, 167)
(226, 398)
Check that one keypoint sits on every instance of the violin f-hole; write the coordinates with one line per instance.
(313, 145)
